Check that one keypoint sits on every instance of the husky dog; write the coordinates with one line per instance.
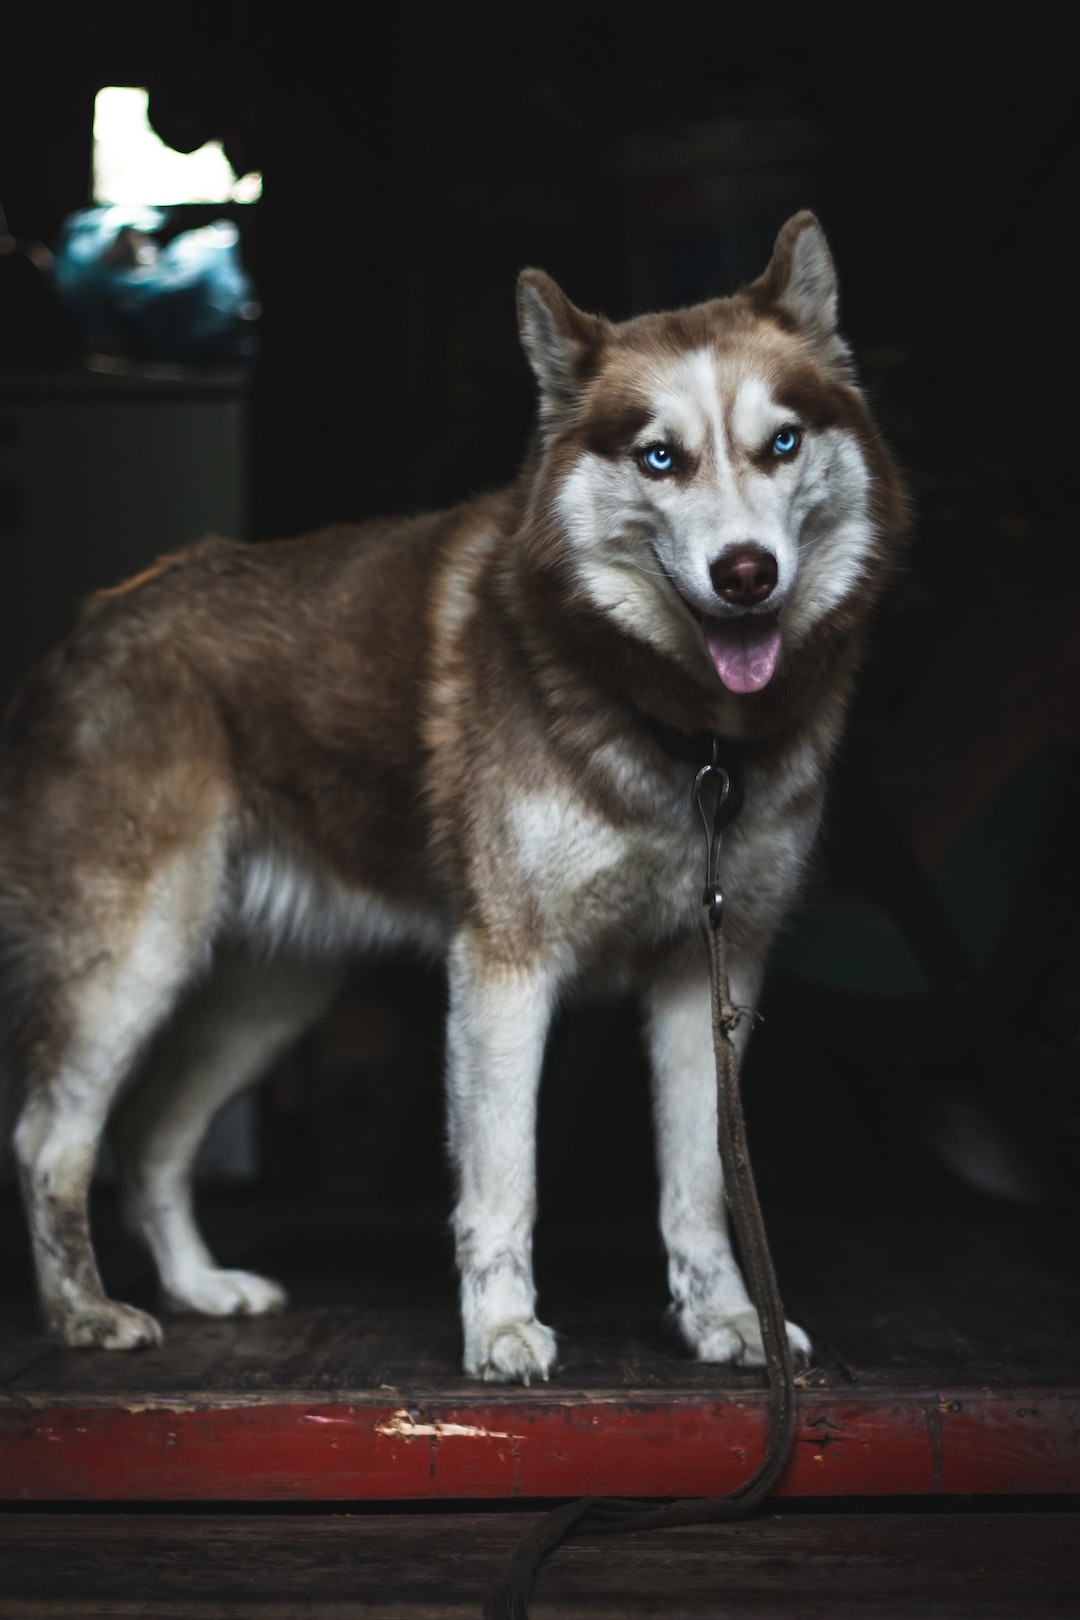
(454, 731)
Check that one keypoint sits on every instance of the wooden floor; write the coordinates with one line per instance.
(857, 1566)
(946, 1362)
(334, 1462)
(892, 1295)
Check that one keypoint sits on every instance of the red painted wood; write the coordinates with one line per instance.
(909, 1442)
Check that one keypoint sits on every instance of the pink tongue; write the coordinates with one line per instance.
(744, 652)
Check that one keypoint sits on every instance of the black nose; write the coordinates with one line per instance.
(744, 575)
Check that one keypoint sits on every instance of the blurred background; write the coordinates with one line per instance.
(313, 320)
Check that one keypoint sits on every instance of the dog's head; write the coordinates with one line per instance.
(717, 480)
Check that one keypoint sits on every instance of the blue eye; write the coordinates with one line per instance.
(658, 458)
(786, 441)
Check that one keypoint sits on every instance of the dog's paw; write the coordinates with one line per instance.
(514, 1351)
(216, 1292)
(110, 1326)
(734, 1337)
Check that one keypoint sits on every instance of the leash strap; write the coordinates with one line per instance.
(720, 780)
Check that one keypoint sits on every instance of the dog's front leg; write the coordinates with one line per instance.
(498, 1022)
(709, 1299)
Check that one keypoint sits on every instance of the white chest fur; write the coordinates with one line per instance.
(588, 877)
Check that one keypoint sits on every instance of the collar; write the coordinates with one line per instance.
(695, 747)
(705, 748)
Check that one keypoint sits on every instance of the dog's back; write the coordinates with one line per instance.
(233, 698)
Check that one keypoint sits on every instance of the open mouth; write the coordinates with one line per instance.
(743, 648)
(744, 651)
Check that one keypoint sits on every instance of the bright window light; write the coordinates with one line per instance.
(133, 165)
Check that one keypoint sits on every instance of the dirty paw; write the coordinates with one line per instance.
(216, 1292)
(514, 1351)
(734, 1337)
(110, 1326)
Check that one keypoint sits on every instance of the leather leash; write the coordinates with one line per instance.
(719, 778)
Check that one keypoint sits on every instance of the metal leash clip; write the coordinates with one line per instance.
(715, 779)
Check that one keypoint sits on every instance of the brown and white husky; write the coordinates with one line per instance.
(453, 731)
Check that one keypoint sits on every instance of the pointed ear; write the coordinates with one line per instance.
(801, 278)
(560, 341)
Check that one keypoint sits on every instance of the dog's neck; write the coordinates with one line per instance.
(696, 747)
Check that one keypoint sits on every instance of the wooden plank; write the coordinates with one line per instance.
(20, 1356)
(931, 1385)
(901, 1293)
(894, 1298)
(364, 1346)
(1016, 1566)
(532, 1444)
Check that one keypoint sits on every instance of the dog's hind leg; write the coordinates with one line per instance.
(498, 1022)
(223, 1037)
(127, 955)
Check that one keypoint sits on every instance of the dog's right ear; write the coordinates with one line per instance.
(560, 341)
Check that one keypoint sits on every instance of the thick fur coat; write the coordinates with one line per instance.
(252, 762)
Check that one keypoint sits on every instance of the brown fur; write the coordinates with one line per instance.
(375, 700)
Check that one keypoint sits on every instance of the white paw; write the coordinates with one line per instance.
(107, 1325)
(514, 1351)
(734, 1337)
(215, 1292)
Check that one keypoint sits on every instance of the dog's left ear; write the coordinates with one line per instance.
(559, 340)
(801, 278)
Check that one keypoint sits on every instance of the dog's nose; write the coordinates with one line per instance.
(744, 575)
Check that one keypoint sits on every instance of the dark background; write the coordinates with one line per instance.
(415, 157)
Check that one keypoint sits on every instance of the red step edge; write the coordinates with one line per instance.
(363, 1447)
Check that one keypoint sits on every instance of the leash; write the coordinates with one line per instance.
(718, 796)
